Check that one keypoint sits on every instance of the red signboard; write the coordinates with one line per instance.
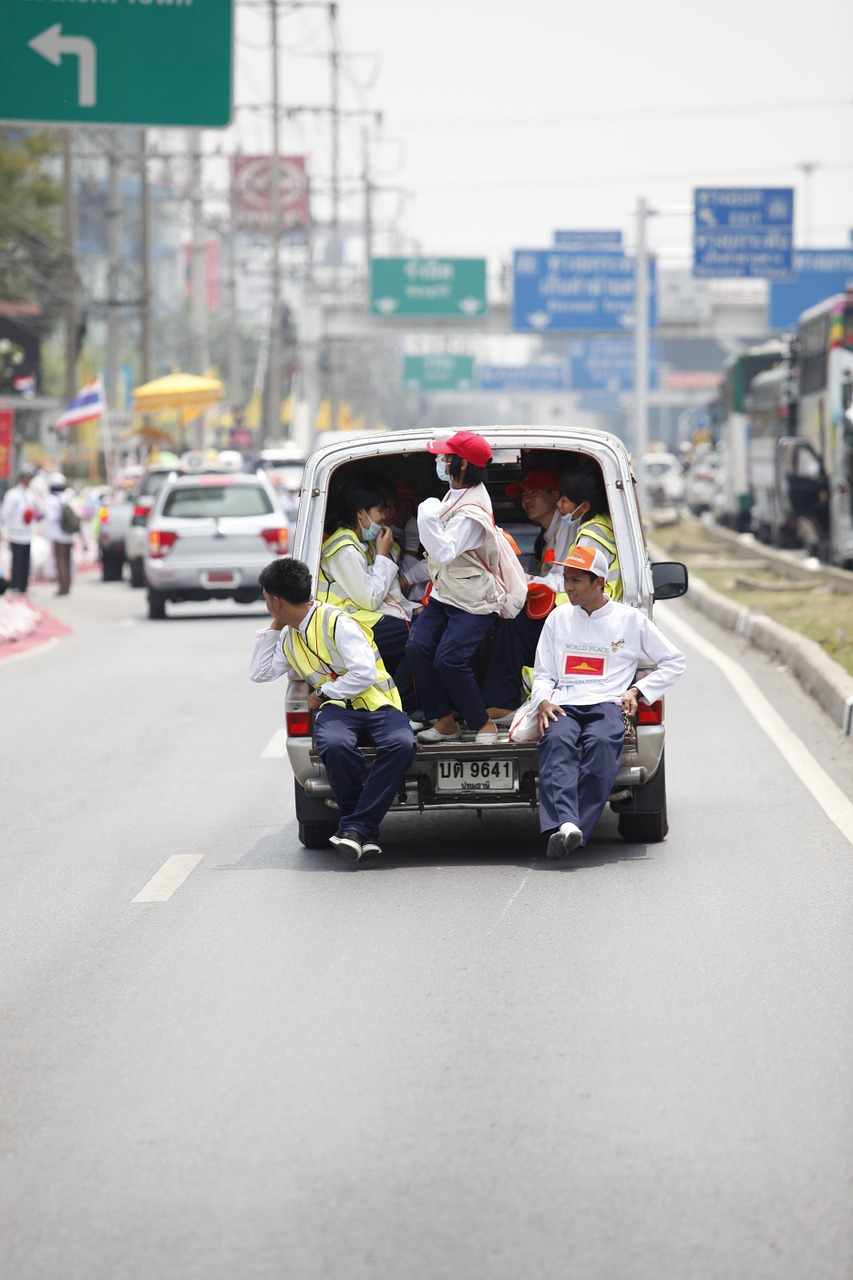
(251, 179)
(7, 439)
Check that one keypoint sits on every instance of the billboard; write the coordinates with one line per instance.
(251, 184)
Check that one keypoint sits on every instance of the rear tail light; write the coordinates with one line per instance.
(298, 724)
(278, 539)
(650, 713)
(141, 509)
(160, 543)
(103, 515)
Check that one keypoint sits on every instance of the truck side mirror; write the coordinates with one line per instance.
(669, 578)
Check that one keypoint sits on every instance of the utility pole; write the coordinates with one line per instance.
(234, 392)
(145, 252)
(807, 168)
(270, 427)
(113, 302)
(70, 230)
(641, 351)
(336, 199)
(199, 353)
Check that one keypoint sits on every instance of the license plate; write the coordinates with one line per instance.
(221, 579)
(476, 775)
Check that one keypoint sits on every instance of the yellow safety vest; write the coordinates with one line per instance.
(599, 530)
(331, 592)
(316, 658)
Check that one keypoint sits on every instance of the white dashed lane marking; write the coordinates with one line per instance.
(276, 748)
(170, 877)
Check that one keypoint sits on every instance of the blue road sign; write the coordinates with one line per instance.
(589, 240)
(521, 377)
(607, 364)
(818, 274)
(558, 290)
(743, 231)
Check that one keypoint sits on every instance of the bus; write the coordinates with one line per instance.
(825, 360)
(739, 370)
(786, 477)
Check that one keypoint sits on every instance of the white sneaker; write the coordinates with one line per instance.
(433, 735)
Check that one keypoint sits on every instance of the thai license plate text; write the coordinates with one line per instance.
(476, 775)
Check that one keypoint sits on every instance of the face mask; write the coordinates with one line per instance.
(371, 533)
(441, 469)
(572, 518)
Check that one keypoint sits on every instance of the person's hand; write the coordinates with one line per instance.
(629, 701)
(275, 608)
(384, 541)
(315, 700)
(547, 712)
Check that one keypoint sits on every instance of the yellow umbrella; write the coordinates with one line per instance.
(178, 391)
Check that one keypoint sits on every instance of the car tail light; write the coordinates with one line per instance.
(103, 515)
(298, 724)
(141, 509)
(160, 543)
(278, 539)
(650, 713)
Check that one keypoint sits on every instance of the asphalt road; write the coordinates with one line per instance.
(463, 1061)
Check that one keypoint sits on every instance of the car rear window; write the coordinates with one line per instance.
(214, 501)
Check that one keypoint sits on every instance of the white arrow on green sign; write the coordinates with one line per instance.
(438, 373)
(143, 62)
(427, 287)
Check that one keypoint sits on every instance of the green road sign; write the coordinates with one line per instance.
(145, 62)
(438, 373)
(428, 286)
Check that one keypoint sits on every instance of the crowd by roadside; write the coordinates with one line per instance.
(45, 537)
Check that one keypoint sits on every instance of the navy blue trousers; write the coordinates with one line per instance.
(579, 758)
(338, 733)
(441, 644)
(514, 648)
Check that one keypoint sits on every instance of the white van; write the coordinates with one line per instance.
(460, 774)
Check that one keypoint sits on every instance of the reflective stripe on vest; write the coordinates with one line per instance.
(600, 531)
(304, 659)
(331, 592)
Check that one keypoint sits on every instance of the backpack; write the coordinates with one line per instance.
(69, 521)
(509, 576)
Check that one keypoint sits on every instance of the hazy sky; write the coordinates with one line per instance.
(504, 124)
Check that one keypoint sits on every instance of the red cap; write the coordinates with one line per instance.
(465, 444)
(532, 481)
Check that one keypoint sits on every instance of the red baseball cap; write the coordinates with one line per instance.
(465, 444)
(532, 481)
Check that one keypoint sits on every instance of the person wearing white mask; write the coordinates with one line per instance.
(583, 507)
(358, 573)
(459, 536)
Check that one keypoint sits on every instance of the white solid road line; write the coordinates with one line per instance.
(170, 877)
(276, 748)
(831, 798)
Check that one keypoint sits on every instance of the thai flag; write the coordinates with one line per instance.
(88, 403)
(25, 385)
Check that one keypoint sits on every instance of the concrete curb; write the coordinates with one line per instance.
(824, 680)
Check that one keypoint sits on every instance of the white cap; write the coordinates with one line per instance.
(57, 480)
(589, 559)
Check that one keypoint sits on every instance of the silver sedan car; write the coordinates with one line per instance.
(209, 536)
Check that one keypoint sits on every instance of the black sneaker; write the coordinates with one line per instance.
(370, 847)
(348, 844)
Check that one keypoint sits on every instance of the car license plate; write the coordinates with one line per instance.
(220, 579)
(476, 775)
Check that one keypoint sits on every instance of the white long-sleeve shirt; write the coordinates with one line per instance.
(359, 658)
(585, 658)
(17, 501)
(53, 529)
(371, 586)
(445, 541)
(558, 538)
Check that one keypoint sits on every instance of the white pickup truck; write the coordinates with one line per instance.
(461, 774)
